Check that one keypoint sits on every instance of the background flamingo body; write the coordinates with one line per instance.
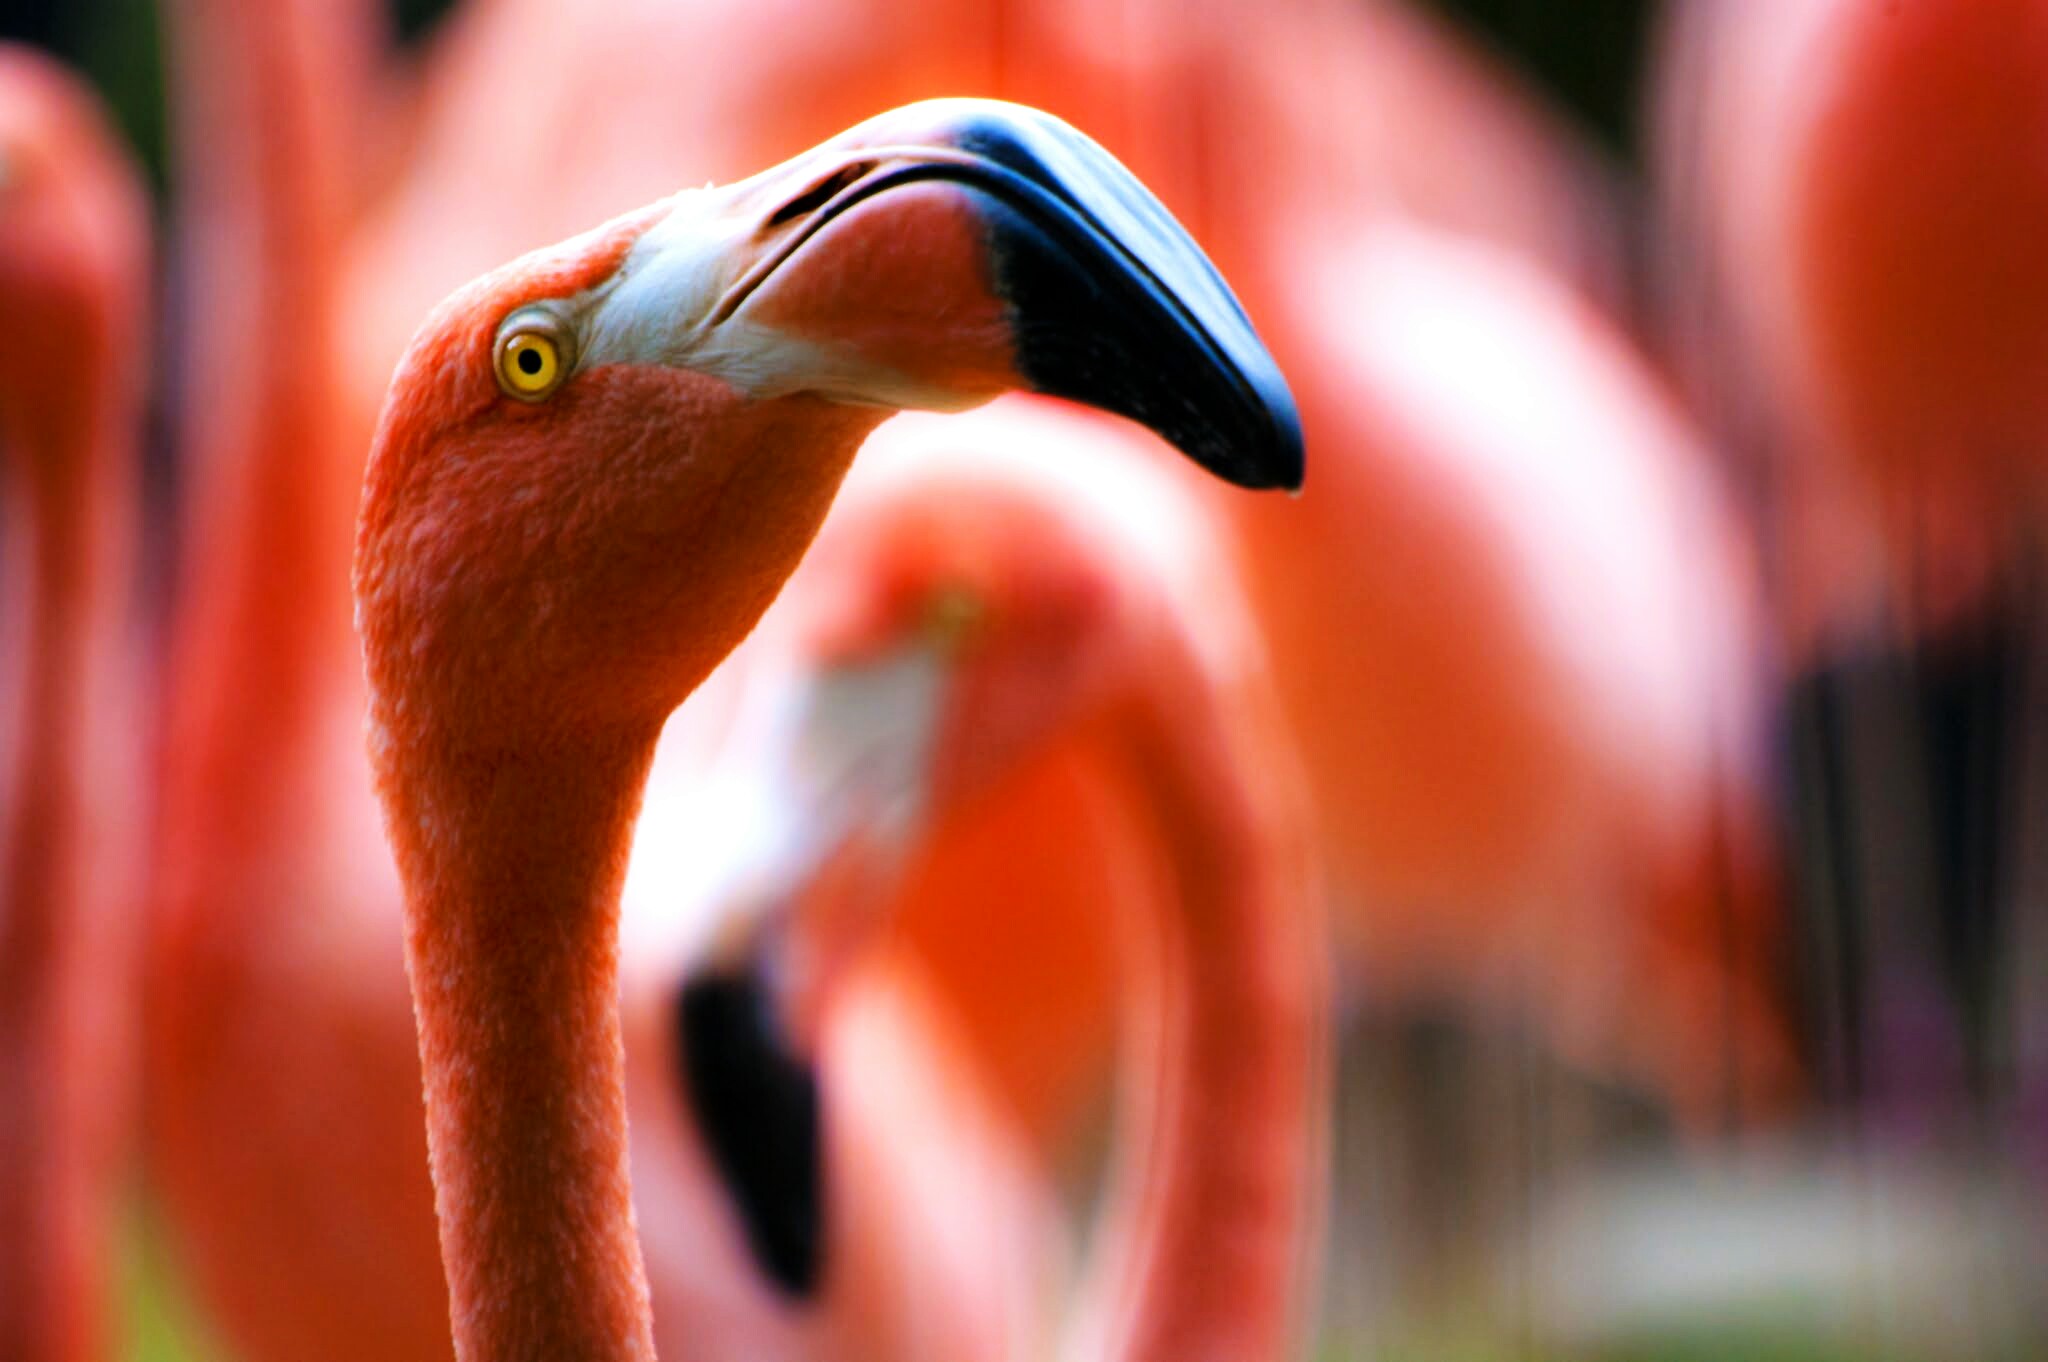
(1865, 312)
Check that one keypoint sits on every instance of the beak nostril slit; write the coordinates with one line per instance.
(821, 193)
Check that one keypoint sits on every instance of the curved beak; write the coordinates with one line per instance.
(756, 1105)
(946, 252)
(1116, 307)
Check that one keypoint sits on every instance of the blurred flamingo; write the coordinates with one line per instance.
(280, 1074)
(74, 259)
(998, 593)
(1525, 690)
(1866, 304)
(1536, 743)
(1495, 754)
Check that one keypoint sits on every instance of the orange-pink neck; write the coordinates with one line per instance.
(261, 634)
(1216, 1246)
(515, 861)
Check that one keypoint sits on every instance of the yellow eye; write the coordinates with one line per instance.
(532, 358)
(529, 364)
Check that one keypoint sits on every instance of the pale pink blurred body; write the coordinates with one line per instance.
(1535, 729)
(1865, 191)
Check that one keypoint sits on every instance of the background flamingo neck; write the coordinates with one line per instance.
(513, 862)
(1213, 1249)
(60, 967)
(265, 116)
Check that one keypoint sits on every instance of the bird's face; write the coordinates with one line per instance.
(597, 465)
(951, 632)
(946, 638)
(1014, 613)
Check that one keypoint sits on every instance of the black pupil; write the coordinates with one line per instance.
(529, 360)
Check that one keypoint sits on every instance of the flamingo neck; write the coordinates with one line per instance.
(61, 966)
(1213, 1248)
(513, 860)
(262, 638)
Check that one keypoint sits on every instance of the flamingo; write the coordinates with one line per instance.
(683, 388)
(974, 610)
(1868, 296)
(73, 277)
(271, 946)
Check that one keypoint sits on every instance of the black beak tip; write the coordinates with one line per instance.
(1289, 466)
(1115, 306)
(1269, 455)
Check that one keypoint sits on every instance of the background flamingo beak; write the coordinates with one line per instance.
(756, 1104)
(836, 757)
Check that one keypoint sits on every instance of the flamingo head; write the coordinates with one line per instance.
(993, 618)
(597, 465)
